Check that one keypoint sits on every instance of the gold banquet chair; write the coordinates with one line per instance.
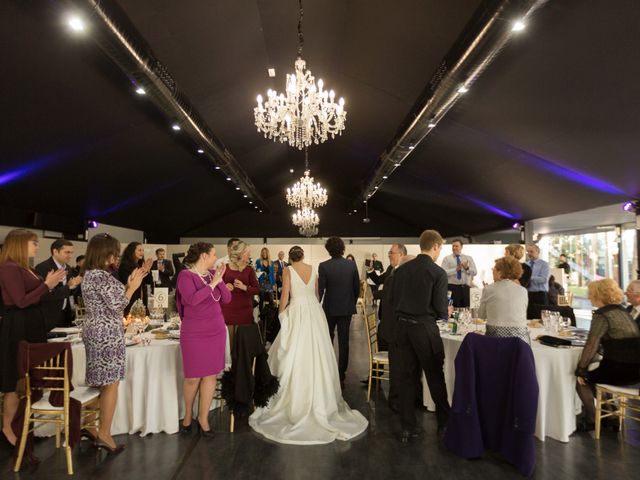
(377, 360)
(627, 400)
(41, 412)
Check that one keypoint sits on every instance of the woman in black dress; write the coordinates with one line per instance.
(610, 321)
(132, 258)
(23, 291)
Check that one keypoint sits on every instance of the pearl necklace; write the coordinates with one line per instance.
(207, 282)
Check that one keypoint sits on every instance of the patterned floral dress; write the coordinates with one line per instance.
(105, 300)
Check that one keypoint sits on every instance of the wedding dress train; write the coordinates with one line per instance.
(309, 408)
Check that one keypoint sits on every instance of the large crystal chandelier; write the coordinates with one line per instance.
(306, 113)
(307, 219)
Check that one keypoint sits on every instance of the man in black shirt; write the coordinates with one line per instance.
(419, 294)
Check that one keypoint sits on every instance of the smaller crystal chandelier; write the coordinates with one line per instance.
(307, 219)
(306, 193)
(308, 232)
(306, 114)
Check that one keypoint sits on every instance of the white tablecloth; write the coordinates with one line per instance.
(558, 402)
(150, 396)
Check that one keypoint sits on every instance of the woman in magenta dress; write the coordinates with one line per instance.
(203, 336)
(241, 280)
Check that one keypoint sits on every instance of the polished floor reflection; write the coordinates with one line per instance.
(376, 455)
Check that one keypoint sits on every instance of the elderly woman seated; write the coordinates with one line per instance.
(610, 321)
(504, 302)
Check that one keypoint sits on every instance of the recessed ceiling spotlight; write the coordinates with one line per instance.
(237, 188)
(291, 170)
(396, 164)
(75, 23)
(411, 147)
(217, 167)
(244, 196)
(384, 177)
(431, 125)
(376, 187)
(518, 26)
(463, 89)
(176, 127)
(250, 202)
(272, 72)
(141, 91)
(228, 179)
(200, 150)
(260, 211)
(355, 211)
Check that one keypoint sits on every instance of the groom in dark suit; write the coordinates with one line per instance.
(339, 286)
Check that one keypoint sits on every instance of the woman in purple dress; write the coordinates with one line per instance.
(203, 336)
(105, 299)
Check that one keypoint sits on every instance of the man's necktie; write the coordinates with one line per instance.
(459, 272)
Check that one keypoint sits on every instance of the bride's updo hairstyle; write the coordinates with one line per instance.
(195, 250)
(296, 254)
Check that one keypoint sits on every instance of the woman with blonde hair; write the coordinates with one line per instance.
(504, 302)
(610, 321)
(241, 281)
(22, 318)
(516, 251)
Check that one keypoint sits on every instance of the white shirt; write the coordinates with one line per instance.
(635, 313)
(449, 264)
(504, 304)
(64, 280)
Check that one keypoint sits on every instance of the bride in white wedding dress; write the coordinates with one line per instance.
(309, 408)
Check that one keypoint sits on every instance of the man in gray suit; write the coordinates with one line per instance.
(339, 286)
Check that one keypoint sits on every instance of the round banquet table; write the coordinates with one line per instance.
(558, 402)
(150, 396)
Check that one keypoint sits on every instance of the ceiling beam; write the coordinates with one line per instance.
(484, 36)
(118, 38)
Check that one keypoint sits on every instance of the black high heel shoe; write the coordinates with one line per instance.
(101, 445)
(206, 433)
(186, 429)
(6, 444)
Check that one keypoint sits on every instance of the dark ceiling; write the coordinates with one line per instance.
(550, 127)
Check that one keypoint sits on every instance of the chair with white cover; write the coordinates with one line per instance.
(378, 360)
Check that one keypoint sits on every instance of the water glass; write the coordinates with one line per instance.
(545, 316)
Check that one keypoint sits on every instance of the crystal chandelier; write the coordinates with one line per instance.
(306, 193)
(306, 113)
(307, 219)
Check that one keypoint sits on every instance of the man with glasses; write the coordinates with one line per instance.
(387, 325)
(633, 297)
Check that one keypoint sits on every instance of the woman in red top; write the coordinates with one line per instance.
(22, 318)
(241, 280)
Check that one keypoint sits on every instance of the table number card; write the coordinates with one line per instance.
(161, 298)
(474, 296)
